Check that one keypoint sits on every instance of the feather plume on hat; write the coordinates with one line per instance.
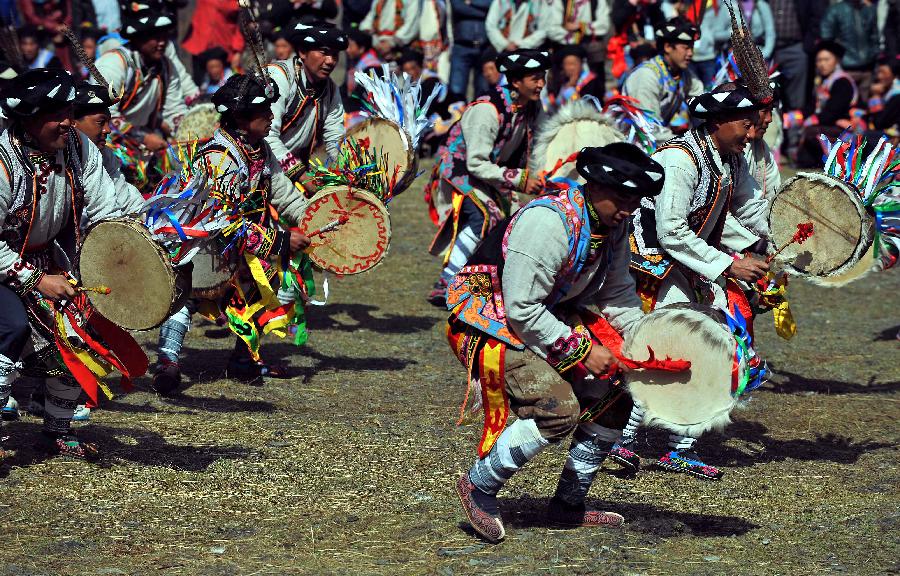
(749, 58)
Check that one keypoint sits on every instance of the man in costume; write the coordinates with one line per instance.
(238, 148)
(481, 169)
(91, 116)
(152, 102)
(308, 111)
(664, 83)
(518, 326)
(677, 244)
(52, 184)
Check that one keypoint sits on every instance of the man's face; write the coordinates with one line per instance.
(490, 73)
(319, 63)
(413, 69)
(732, 135)
(679, 54)
(215, 68)
(29, 48)
(611, 206)
(884, 75)
(152, 45)
(283, 49)
(95, 126)
(354, 50)
(90, 47)
(826, 62)
(529, 86)
(762, 124)
(572, 66)
(50, 129)
(256, 124)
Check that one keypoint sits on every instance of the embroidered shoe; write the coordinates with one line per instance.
(628, 460)
(565, 514)
(438, 295)
(11, 410)
(68, 445)
(82, 413)
(481, 509)
(166, 378)
(688, 462)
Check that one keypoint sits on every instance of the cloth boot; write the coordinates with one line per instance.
(171, 336)
(519, 443)
(590, 446)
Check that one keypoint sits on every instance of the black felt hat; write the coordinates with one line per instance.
(724, 99)
(521, 62)
(623, 167)
(244, 93)
(147, 16)
(317, 35)
(677, 30)
(35, 91)
(90, 96)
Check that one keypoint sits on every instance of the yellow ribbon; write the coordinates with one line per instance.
(98, 367)
(776, 299)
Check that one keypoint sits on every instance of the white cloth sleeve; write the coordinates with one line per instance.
(480, 126)
(174, 107)
(747, 203)
(409, 30)
(333, 129)
(115, 72)
(643, 85)
(617, 297)
(100, 202)
(278, 110)
(492, 27)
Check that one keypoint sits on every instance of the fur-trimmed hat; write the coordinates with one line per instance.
(623, 167)
(244, 93)
(144, 16)
(521, 62)
(38, 90)
(676, 30)
(311, 36)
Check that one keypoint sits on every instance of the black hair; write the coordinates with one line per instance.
(411, 55)
(364, 39)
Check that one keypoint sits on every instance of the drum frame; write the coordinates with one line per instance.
(409, 174)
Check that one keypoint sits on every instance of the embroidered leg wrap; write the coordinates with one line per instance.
(466, 242)
(590, 447)
(519, 443)
(678, 442)
(171, 335)
(634, 421)
(8, 374)
(60, 399)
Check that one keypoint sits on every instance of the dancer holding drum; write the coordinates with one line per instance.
(243, 171)
(52, 180)
(308, 111)
(152, 101)
(517, 325)
(481, 169)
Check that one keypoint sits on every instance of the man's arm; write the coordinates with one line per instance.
(409, 30)
(289, 164)
(617, 298)
(747, 202)
(492, 27)
(333, 129)
(287, 200)
(480, 126)
(528, 277)
(14, 271)
(189, 88)
(100, 202)
(129, 198)
(599, 26)
(672, 209)
(174, 107)
(553, 15)
(537, 37)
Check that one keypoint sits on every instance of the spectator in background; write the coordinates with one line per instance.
(835, 95)
(490, 74)
(578, 80)
(214, 25)
(797, 24)
(393, 24)
(34, 53)
(469, 45)
(218, 70)
(757, 14)
(633, 23)
(9, 13)
(109, 15)
(514, 24)
(88, 37)
(884, 105)
(853, 24)
(706, 49)
(49, 15)
(353, 13)
(412, 62)
(584, 24)
(361, 57)
(281, 45)
(275, 12)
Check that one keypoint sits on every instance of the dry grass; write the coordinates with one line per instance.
(349, 467)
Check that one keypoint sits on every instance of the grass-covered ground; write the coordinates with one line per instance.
(349, 467)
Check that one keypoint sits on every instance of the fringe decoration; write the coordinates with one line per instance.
(637, 124)
(358, 165)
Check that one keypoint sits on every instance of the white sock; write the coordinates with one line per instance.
(60, 399)
(678, 442)
(634, 422)
(466, 241)
(8, 374)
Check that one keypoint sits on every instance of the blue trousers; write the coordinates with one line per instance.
(464, 60)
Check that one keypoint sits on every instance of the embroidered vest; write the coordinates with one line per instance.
(475, 295)
(823, 88)
(646, 254)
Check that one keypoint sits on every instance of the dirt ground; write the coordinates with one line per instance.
(349, 467)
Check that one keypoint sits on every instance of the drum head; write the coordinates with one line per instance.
(389, 141)
(212, 271)
(121, 255)
(690, 402)
(199, 123)
(842, 231)
(356, 246)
